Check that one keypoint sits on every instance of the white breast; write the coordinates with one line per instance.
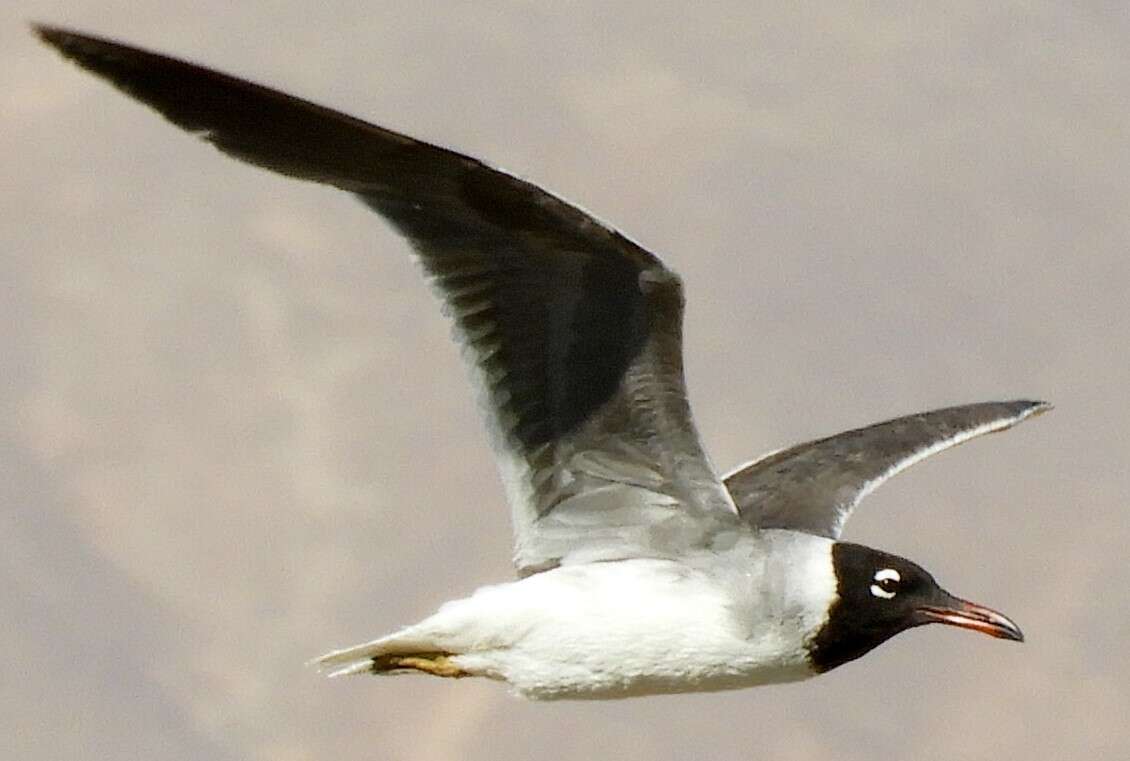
(625, 628)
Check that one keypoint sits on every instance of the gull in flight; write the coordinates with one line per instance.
(640, 569)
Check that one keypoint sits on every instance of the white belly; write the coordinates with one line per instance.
(611, 630)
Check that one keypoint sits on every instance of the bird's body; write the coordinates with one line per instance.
(642, 570)
(709, 621)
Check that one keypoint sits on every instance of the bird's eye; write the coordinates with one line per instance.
(886, 582)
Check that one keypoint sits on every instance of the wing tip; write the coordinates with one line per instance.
(55, 36)
(1032, 408)
(82, 49)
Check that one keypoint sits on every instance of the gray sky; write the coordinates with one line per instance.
(235, 434)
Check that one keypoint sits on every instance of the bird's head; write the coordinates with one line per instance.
(879, 595)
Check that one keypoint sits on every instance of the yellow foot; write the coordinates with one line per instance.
(436, 664)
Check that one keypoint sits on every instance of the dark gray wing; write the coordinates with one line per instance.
(573, 331)
(813, 487)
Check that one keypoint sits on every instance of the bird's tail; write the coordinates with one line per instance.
(402, 652)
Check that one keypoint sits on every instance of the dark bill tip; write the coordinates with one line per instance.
(969, 615)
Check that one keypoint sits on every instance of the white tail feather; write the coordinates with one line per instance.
(359, 658)
(350, 660)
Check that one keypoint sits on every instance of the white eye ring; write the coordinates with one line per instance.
(887, 574)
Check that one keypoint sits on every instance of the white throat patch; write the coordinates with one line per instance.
(812, 579)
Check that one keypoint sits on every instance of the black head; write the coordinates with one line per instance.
(880, 595)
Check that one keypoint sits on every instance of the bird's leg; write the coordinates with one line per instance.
(436, 664)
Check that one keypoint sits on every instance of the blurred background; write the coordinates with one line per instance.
(235, 434)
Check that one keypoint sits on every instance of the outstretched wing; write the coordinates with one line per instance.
(813, 487)
(573, 331)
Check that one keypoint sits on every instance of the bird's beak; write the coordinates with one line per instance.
(957, 612)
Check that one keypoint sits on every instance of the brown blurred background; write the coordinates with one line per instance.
(235, 434)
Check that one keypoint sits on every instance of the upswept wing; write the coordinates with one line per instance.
(813, 487)
(572, 330)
